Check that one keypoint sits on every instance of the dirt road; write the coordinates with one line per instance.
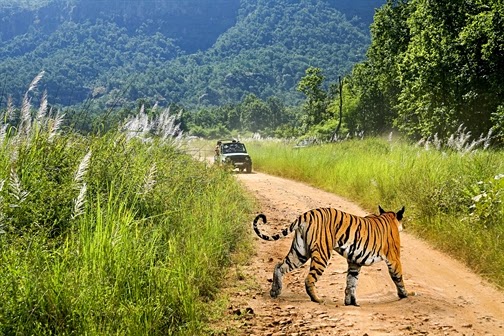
(450, 299)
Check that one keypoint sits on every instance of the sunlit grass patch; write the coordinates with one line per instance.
(453, 198)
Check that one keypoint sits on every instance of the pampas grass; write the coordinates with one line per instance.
(164, 126)
(42, 111)
(78, 208)
(83, 167)
(25, 124)
(54, 125)
(16, 190)
(150, 180)
(461, 141)
(113, 234)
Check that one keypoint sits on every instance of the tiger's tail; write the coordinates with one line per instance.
(284, 233)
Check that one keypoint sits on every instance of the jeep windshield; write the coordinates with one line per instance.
(233, 148)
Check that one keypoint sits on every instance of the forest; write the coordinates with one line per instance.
(290, 68)
(434, 70)
(193, 52)
(433, 67)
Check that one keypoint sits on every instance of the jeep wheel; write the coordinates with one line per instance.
(248, 169)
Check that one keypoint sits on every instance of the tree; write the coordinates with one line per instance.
(316, 103)
(367, 108)
(432, 66)
(340, 109)
(429, 101)
(256, 114)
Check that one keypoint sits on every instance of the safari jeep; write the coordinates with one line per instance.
(233, 153)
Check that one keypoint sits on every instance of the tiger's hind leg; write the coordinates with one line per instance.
(295, 259)
(317, 267)
(351, 285)
(395, 271)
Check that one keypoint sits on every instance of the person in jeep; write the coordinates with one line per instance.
(217, 151)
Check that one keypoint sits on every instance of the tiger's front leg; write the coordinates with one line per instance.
(351, 285)
(395, 271)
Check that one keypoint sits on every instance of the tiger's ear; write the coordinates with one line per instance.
(400, 213)
(380, 209)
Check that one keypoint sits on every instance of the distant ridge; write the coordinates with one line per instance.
(190, 52)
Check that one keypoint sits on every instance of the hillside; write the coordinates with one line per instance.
(188, 52)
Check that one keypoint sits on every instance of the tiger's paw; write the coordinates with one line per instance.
(275, 291)
(352, 304)
(316, 299)
(351, 301)
(404, 294)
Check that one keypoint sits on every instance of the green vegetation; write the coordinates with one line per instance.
(119, 234)
(101, 55)
(270, 117)
(431, 66)
(452, 198)
(271, 67)
(107, 227)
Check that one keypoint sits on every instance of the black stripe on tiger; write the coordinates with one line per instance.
(361, 240)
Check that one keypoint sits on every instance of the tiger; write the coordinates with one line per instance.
(363, 241)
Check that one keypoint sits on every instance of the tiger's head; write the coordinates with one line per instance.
(398, 216)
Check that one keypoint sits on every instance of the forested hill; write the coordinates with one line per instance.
(193, 24)
(185, 51)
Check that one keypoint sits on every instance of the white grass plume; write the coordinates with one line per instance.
(150, 180)
(144, 122)
(3, 132)
(26, 120)
(42, 111)
(459, 141)
(167, 126)
(25, 123)
(155, 107)
(137, 126)
(54, 126)
(164, 126)
(79, 202)
(25, 116)
(16, 190)
(83, 166)
(35, 81)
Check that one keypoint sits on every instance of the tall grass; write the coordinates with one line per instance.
(454, 199)
(111, 234)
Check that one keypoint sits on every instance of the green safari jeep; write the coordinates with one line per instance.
(233, 153)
